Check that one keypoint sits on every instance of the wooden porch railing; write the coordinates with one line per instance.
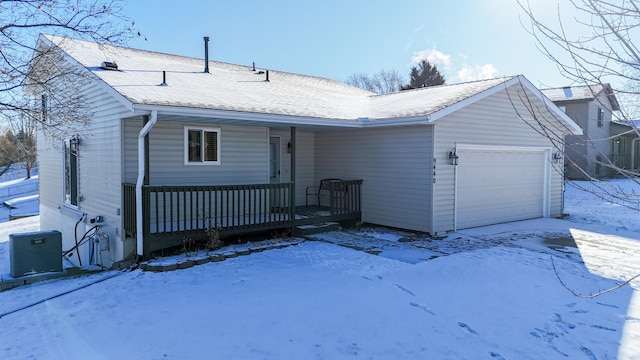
(172, 214)
(344, 198)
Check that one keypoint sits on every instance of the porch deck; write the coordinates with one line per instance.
(174, 213)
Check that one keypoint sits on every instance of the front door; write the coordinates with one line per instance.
(274, 159)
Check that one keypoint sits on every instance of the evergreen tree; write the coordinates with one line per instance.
(423, 75)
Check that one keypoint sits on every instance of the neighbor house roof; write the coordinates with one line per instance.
(630, 123)
(582, 93)
(237, 89)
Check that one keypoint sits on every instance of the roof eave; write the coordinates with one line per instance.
(280, 119)
(571, 125)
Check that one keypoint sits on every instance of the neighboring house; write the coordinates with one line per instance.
(625, 145)
(191, 148)
(588, 155)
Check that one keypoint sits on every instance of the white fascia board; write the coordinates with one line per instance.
(245, 116)
(279, 118)
(412, 120)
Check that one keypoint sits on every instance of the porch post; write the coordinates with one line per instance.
(292, 197)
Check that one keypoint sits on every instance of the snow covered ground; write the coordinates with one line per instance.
(484, 293)
(18, 195)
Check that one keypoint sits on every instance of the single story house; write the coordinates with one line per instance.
(177, 144)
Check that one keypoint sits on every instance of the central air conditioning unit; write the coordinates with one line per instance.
(35, 253)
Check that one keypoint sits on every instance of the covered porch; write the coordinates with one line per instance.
(249, 177)
(173, 214)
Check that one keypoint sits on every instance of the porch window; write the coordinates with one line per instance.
(600, 117)
(202, 146)
(71, 147)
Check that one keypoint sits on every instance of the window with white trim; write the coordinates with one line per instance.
(71, 174)
(201, 146)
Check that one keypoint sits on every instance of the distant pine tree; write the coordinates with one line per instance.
(423, 75)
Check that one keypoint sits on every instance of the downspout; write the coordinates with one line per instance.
(141, 173)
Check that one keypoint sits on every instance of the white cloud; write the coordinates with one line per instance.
(449, 67)
(434, 56)
(477, 72)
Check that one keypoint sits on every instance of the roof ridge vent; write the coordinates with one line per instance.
(109, 65)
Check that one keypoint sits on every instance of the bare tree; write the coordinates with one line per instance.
(382, 82)
(21, 21)
(601, 53)
(18, 144)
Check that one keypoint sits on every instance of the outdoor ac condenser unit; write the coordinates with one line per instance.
(35, 252)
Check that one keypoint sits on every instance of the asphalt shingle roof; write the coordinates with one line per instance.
(239, 88)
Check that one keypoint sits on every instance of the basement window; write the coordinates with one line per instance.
(201, 146)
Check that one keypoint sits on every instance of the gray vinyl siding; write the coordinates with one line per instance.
(50, 177)
(576, 145)
(99, 171)
(583, 150)
(600, 143)
(395, 166)
(491, 121)
(243, 155)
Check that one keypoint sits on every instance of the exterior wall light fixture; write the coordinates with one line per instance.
(453, 157)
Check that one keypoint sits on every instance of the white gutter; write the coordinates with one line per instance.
(141, 166)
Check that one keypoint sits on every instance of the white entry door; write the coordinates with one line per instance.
(500, 184)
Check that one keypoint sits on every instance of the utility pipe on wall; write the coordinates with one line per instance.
(141, 173)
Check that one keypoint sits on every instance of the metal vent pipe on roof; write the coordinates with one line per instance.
(267, 79)
(206, 54)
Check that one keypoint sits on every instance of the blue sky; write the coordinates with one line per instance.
(466, 39)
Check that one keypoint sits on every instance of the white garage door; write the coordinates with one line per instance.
(499, 185)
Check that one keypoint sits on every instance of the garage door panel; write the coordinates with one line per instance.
(495, 186)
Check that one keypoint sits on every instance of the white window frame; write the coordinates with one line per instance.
(202, 130)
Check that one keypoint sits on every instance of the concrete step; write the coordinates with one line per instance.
(302, 230)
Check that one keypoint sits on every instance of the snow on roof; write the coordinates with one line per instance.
(630, 123)
(569, 93)
(225, 87)
(577, 93)
(428, 100)
(238, 88)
